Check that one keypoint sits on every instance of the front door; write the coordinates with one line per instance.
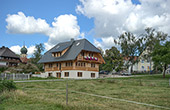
(49, 74)
(58, 75)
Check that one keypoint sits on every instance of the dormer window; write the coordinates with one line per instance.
(54, 55)
(57, 54)
(78, 44)
(57, 47)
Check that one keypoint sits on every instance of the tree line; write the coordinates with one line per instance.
(131, 46)
(154, 42)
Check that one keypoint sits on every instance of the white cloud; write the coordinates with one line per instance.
(48, 46)
(82, 35)
(19, 23)
(17, 49)
(113, 17)
(105, 43)
(31, 50)
(98, 44)
(63, 28)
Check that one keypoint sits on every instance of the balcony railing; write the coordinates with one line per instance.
(87, 58)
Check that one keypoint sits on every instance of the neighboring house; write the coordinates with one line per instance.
(8, 58)
(168, 69)
(142, 65)
(73, 59)
(126, 61)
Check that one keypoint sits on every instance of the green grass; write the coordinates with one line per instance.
(39, 78)
(51, 95)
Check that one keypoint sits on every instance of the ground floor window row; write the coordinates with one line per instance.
(79, 74)
(66, 74)
(70, 64)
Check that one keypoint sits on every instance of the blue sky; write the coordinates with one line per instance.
(99, 21)
(44, 9)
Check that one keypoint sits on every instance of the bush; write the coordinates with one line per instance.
(7, 85)
(2, 69)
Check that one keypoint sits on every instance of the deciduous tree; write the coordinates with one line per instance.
(130, 46)
(113, 60)
(150, 38)
(37, 55)
(161, 55)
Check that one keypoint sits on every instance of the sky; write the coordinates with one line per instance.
(99, 21)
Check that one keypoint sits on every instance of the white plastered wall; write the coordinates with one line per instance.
(72, 74)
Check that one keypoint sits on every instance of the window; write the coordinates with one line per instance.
(78, 44)
(66, 74)
(58, 54)
(79, 74)
(143, 67)
(82, 53)
(56, 64)
(57, 47)
(69, 63)
(92, 75)
(50, 65)
(93, 65)
(81, 64)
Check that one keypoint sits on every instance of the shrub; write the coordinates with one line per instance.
(2, 69)
(7, 85)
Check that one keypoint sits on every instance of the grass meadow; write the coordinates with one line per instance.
(151, 89)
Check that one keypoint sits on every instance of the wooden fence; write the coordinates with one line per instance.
(14, 76)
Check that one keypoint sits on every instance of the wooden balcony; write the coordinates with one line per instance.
(56, 68)
(10, 60)
(81, 58)
(48, 69)
(67, 68)
(93, 69)
(86, 68)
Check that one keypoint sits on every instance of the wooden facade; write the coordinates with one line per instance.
(80, 63)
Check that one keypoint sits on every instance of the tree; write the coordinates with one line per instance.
(131, 47)
(161, 55)
(37, 56)
(23, 68)
(113, 60)
(150, 38)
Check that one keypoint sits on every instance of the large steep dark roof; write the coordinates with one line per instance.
(6, 52)
(61, 46)
(75, 47)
